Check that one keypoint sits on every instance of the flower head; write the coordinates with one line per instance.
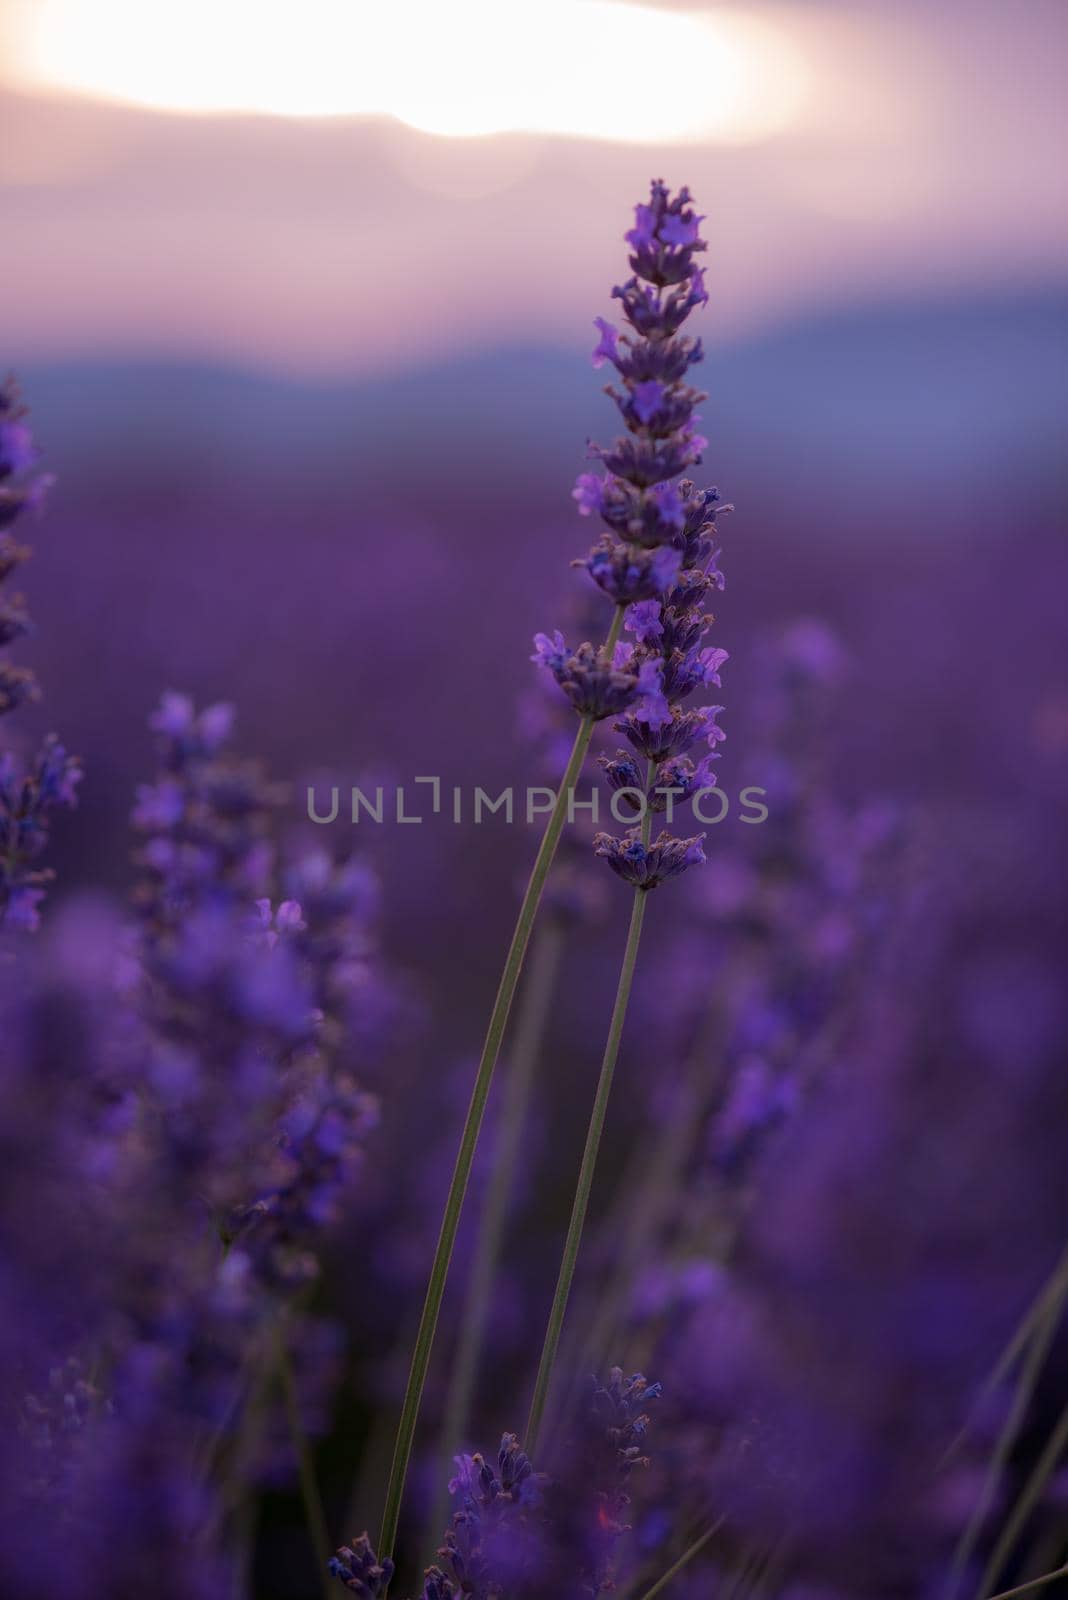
(646, 866)
(676, 780)
(660, 738)
(359, 1570)
(649, 507)
(665, 236)
(646, 517)
(20, 488)
(627, 573)
(599, 684)
(494, 1543)
(28, 797)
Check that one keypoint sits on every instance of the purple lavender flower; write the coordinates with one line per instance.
(494, 1543)
(645, 461)
(663, 737)
(358, 1568)
(645, 509)
(665, 237)
(29, 793)
(229, 1092)
(27, 801)
(618, 1406)
(644, 867)
(649, 518)
(206, 821)
(600, 684)
(248, 998)
(699, 510)
(20, 488)
(676, 780)
(588, 1492)
(651, 313)
(628, 574)
(526, 1534)
(103, 1457)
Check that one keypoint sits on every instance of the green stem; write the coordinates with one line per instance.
(1053, 1292)
(309, 1488)
(535, 1005)
(244, 1540)
(648, 1186)
(589, 1156)
(1035, 1583)
(1031, 1371)
(450, 1221)
(1029, 1496)
(687, 1556)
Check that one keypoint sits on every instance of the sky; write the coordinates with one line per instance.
(337, 188)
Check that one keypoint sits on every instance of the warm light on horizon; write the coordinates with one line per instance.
(596, 69)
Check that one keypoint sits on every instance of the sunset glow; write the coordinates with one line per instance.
(594, 69)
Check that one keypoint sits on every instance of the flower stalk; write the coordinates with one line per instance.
(450, 1222)
(664, 600)
(594, 1132)
(535, 1006)
(657, 562)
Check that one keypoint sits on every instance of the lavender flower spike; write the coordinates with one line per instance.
(21, 489)
(635, 497)
(670, 628)
(28, 793)
(27, 800)
(643, 512)
(644, 509)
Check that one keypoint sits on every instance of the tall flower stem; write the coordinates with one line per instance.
(1053, 1292)
(1031, 1371)
(647, 1184)
(1026, 1502)
(450, 1221)
(580, 1205)
(684, 1560)
(535, 1006)
(1032, 1585)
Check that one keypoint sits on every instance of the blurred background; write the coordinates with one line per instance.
(302, 299)
(302, 303)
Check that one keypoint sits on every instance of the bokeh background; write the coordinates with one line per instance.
(315, 388)
(302, 298)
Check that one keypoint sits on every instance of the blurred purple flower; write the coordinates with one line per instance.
(29, 792)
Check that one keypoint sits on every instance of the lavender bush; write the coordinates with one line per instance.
(265, 1277)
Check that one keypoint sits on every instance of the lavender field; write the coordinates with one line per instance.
(532, 919)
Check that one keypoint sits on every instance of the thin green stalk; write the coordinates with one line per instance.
(646, 1186)
(244, 1539)
(589, 1157)
(1053, 1292)
(1033, 1584)
(741, 1576)
(1025, 1504)
(687, 1556)
(309, 1488)
(534, 1007)
(450, 1222)
(1025, 1388)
